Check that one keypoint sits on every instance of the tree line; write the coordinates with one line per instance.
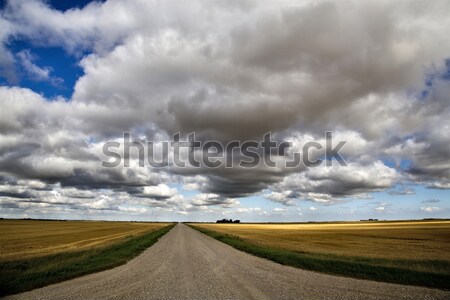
(228, 221)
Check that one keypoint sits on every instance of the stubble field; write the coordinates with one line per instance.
(410, 252)
(21, 239)
(36, 253)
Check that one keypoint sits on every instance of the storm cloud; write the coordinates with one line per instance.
(376, 73)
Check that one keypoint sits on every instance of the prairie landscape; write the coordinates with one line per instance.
(35, 253)
(21, 239)
(284, 121)
(397, 251)
(186, 264)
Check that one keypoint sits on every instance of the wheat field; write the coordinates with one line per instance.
(409, 240)
(20, 239)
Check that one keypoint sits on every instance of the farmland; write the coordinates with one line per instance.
(32, 238)
(411, 252)
(37, 253)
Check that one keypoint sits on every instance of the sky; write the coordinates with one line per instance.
(77, 74)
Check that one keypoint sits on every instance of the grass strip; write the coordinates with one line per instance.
(336, 265)
(23, 275)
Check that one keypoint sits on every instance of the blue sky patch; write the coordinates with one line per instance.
(63, 69)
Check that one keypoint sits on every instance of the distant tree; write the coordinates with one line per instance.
(228, 221)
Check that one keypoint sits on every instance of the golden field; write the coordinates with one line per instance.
(409, 240)
(20, 239)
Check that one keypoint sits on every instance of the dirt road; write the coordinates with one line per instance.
(186, 264)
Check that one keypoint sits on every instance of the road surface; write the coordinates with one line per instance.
(186, 264)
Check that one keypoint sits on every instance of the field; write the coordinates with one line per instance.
(21, 239)
(410, 252)
(37, 253)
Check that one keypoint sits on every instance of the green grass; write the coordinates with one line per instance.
(377, 269)
(27, 274)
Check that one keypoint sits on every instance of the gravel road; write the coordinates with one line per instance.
(186, 264)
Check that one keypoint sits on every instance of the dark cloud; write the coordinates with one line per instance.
(228, 71)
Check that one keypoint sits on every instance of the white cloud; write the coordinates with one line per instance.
(280, 210)
(133, 209)
(159, 191)
(430, 209)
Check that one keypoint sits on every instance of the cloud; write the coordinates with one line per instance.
(7, 59)
(430, 209)
(34, 71)
(75, 29)
(283, 198)
(161, 191)
(332, 184)
(431, 201)
(402, 190)
(213, 199)
(132, 209)
(371, 72)
(280, 210)
(381, 207)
